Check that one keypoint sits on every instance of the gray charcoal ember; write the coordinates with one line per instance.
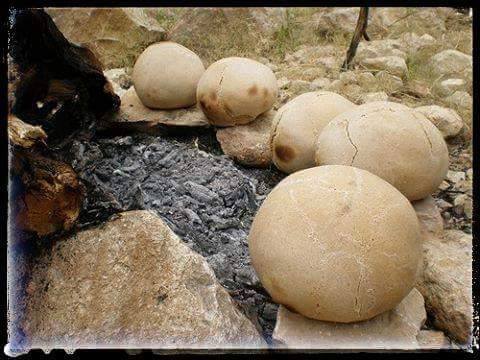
(220, 265)
(226, 238)
(148, 156)
(138, 150)
(233, 197)
(135, 166)
(168, 160)
(219, 223)
(229, 212)
(156, 203)
(179, 188)
(157, 153)
(230, 284)
(84, 154)
(201, 193)
(251, 311)
(251, 200)
(136, 198)
(270, 311)
(192, 216)
(120, 173)
(125, 141)
(247, 275)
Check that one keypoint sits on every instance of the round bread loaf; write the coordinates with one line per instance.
(336, 243)
(165, 76)
(234, 91)
(297, 125)
(390, 140)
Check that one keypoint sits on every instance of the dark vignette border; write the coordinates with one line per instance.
(297, 354)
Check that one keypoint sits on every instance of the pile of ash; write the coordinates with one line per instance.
(205, 198)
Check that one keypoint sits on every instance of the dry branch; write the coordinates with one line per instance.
(360, 30)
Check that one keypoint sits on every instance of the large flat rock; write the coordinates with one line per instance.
(395, 329)
(131, 282)
(134, 114)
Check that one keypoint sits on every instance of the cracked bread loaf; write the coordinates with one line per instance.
(390, 140)
(336, 243)
(297, 125)
(235, 91)
(165, 76)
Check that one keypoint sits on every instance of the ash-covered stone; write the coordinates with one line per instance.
(205, 198)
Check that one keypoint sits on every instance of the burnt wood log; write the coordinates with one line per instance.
(46, 195)
(56, 93)
(60, 85)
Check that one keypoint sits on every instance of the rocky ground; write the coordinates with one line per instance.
(420, 57)
(417, 56)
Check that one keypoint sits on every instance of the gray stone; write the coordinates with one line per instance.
(380, 48)
(348, 77)
(375, 96)
(199, 23)
(395, 65)
(463, 205)
(249, 144)
(443, 205)
(455, 177)
(446, 283)
(389, 82)
(395, 19)
(387, 16)
(331, 20)
(299, 86)
(429, 216)
(116, 35)
(449, 86)
(418, 89)
(366, 79)
(283, 83)
(444, 185)
(411, 42)
(311, 54)
(461, 100)
(446, 120)
(452, 62)
(319, 84)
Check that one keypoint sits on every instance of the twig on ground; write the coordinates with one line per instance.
(360, 30)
